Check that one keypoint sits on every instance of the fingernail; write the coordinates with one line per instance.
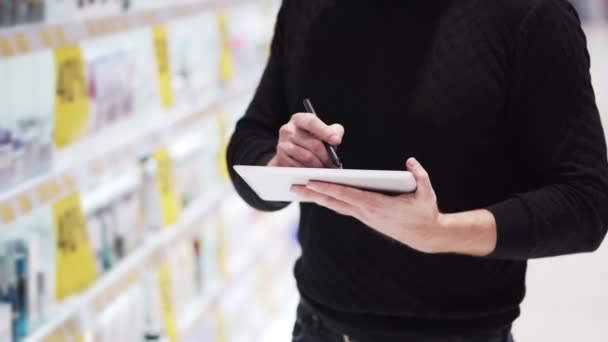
(334, 140)
(412, 162)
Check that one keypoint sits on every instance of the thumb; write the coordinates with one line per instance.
(425, 188)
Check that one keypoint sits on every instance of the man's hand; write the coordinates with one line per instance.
(301, 142)
(413, 219)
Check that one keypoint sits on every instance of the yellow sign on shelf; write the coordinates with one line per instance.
(170, 205)
(222, 163)
(7, 213)
(221, 325)
(71, 96)
(166, 293)
(226, 65)
(75, 263)
(22, 43)
(25, 203)
(6, 49)
(164, 67)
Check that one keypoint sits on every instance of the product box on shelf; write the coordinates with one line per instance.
(247, 34)
(114, 214)
(145, 82)
(27, 271)
(109, 74)
(34, 110)
(194, 53)
(26, 123)
(20, 12)
(187, 152)
(7, 124)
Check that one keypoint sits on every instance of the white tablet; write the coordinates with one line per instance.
(273, 183)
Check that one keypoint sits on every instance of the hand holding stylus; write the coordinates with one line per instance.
(303, 140)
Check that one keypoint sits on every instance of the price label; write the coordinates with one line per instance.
(7, 213)
(25, 203)
(226, 65)
(221, 326)
(71, 96)
(222, 249)
(166, 292)
(60, 35)
(5, 47)
(22, 43)
(44, 193)
(75, 263)
(46, 37)
(170, 205)
(164, 68)
(222, 162)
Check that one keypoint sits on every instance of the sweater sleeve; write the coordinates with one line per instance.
(255, 137)
(559, 140)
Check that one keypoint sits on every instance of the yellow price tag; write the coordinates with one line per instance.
(25, 203)
(226, 64)
(68, 181)
(54, 188)
(22, 43)
(44, 193)
(164, 280)
(5, 47)
(221, 249)
(71, 96)
(46, 38)
(222, 163)
(7, 213)
(75, 262)
(60, 35)
(169, 199)
(221, 326)
(164, 68)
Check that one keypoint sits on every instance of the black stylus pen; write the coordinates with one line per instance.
(330, 149)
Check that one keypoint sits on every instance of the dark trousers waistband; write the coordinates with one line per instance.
(309, 322)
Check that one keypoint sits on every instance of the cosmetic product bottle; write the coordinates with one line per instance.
(21, 270)
(7, 123)
(6, 332)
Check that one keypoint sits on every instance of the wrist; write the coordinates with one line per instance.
(469, 233)
(445, 238)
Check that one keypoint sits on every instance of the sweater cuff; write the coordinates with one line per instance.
(513, 230)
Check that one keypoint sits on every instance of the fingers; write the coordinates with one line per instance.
(302, 141)
(314, 145)
(312, 124)
(299, 154)
(283, 160)
(352, 196)
(324, 200)
(425, 188)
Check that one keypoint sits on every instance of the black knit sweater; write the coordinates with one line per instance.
(493, 98)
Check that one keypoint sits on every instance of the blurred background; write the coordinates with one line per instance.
(117, 220)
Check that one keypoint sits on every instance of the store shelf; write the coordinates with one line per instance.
(247, 258)
(27, 38)
(95, 300)
(122, 142)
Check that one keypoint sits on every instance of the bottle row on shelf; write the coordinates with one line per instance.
(72, 231)
(26, 12)
(52, 98)
(201, 286)
(115, 225)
